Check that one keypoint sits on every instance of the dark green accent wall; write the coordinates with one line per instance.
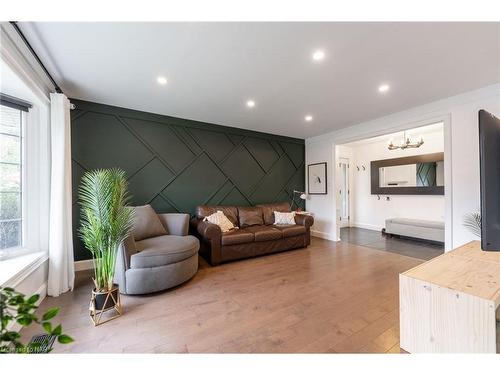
(176, 164)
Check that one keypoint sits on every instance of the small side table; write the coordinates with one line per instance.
(304, 213)
(448, 304)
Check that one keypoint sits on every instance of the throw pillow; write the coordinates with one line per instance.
(147, 224)
(284, 218)
(249, 216)
(218, 218)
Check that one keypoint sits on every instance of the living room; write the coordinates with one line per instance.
(203, 187)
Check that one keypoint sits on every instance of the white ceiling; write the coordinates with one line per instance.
(213, 68)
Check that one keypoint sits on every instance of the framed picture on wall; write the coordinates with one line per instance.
(316, 178)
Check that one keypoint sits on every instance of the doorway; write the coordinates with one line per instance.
(363, 211)
(344, 192)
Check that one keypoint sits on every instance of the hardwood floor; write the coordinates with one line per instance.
(403, 246)
(329, 298)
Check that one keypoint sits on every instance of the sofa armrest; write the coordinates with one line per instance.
(210, 237)
(176, 224)
(206, 230)
(305, 220)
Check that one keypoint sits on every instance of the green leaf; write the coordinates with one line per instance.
(50, 313)
(25, 320)
(57, 331)
(16, 300)
(33, 299)
(6, 319)
(64, 339)
(47, 327)
(10, 336)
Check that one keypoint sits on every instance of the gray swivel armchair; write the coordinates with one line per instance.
(159, 254)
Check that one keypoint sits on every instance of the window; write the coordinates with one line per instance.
(24, 168)
(11, 160)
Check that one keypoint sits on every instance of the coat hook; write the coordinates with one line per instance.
(363, 167)
(378, 197)
(387, 198)
(357, 167)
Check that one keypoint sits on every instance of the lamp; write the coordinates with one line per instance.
(302, 196)
(406, 143)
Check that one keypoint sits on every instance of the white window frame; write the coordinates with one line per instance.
(35, 184)
(15, 251)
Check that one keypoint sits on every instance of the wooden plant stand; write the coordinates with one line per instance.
(99, 316)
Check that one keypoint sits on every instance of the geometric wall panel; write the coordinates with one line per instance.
(235, 198)
(102, 141)
(263, 152)
(191, 187)
(76, 175)
(217, 145)
(426, 174)
(160, 204)
(268, 190)
(295, 152)
(145, 185)
(164, 141)
(218, 197)
(243, 170)
(176, 164)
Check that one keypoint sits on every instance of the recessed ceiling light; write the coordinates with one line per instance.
(308, 118)
(161, 80)
(383, 88)
(318, 55)
(250, 103)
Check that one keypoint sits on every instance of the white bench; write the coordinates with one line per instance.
(415, 228)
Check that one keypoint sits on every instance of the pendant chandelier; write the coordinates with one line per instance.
(406, 143)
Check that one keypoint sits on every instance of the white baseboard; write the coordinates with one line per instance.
(83, 265)
(324, 235)
(367, 226)
(42, 291)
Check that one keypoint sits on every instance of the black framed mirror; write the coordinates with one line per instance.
(410, 175)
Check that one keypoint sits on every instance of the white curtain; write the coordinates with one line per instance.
(61, 262)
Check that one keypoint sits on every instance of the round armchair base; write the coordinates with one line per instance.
(155, 279)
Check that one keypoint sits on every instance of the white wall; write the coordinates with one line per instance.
(461, 143)
(322, 205)
(369, 212)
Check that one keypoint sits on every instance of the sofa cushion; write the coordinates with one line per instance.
(265, 233)
(237, 236)
(147, 224)
(291, 230)
(250, 216)
(163, 250)
(231, 212)
(269, 208)
(220, 220)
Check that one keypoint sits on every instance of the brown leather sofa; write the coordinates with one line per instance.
(256, 234)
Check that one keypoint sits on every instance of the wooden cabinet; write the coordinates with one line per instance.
(451, 303)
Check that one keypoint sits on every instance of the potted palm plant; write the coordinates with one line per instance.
(473, 222)
(106, 221)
